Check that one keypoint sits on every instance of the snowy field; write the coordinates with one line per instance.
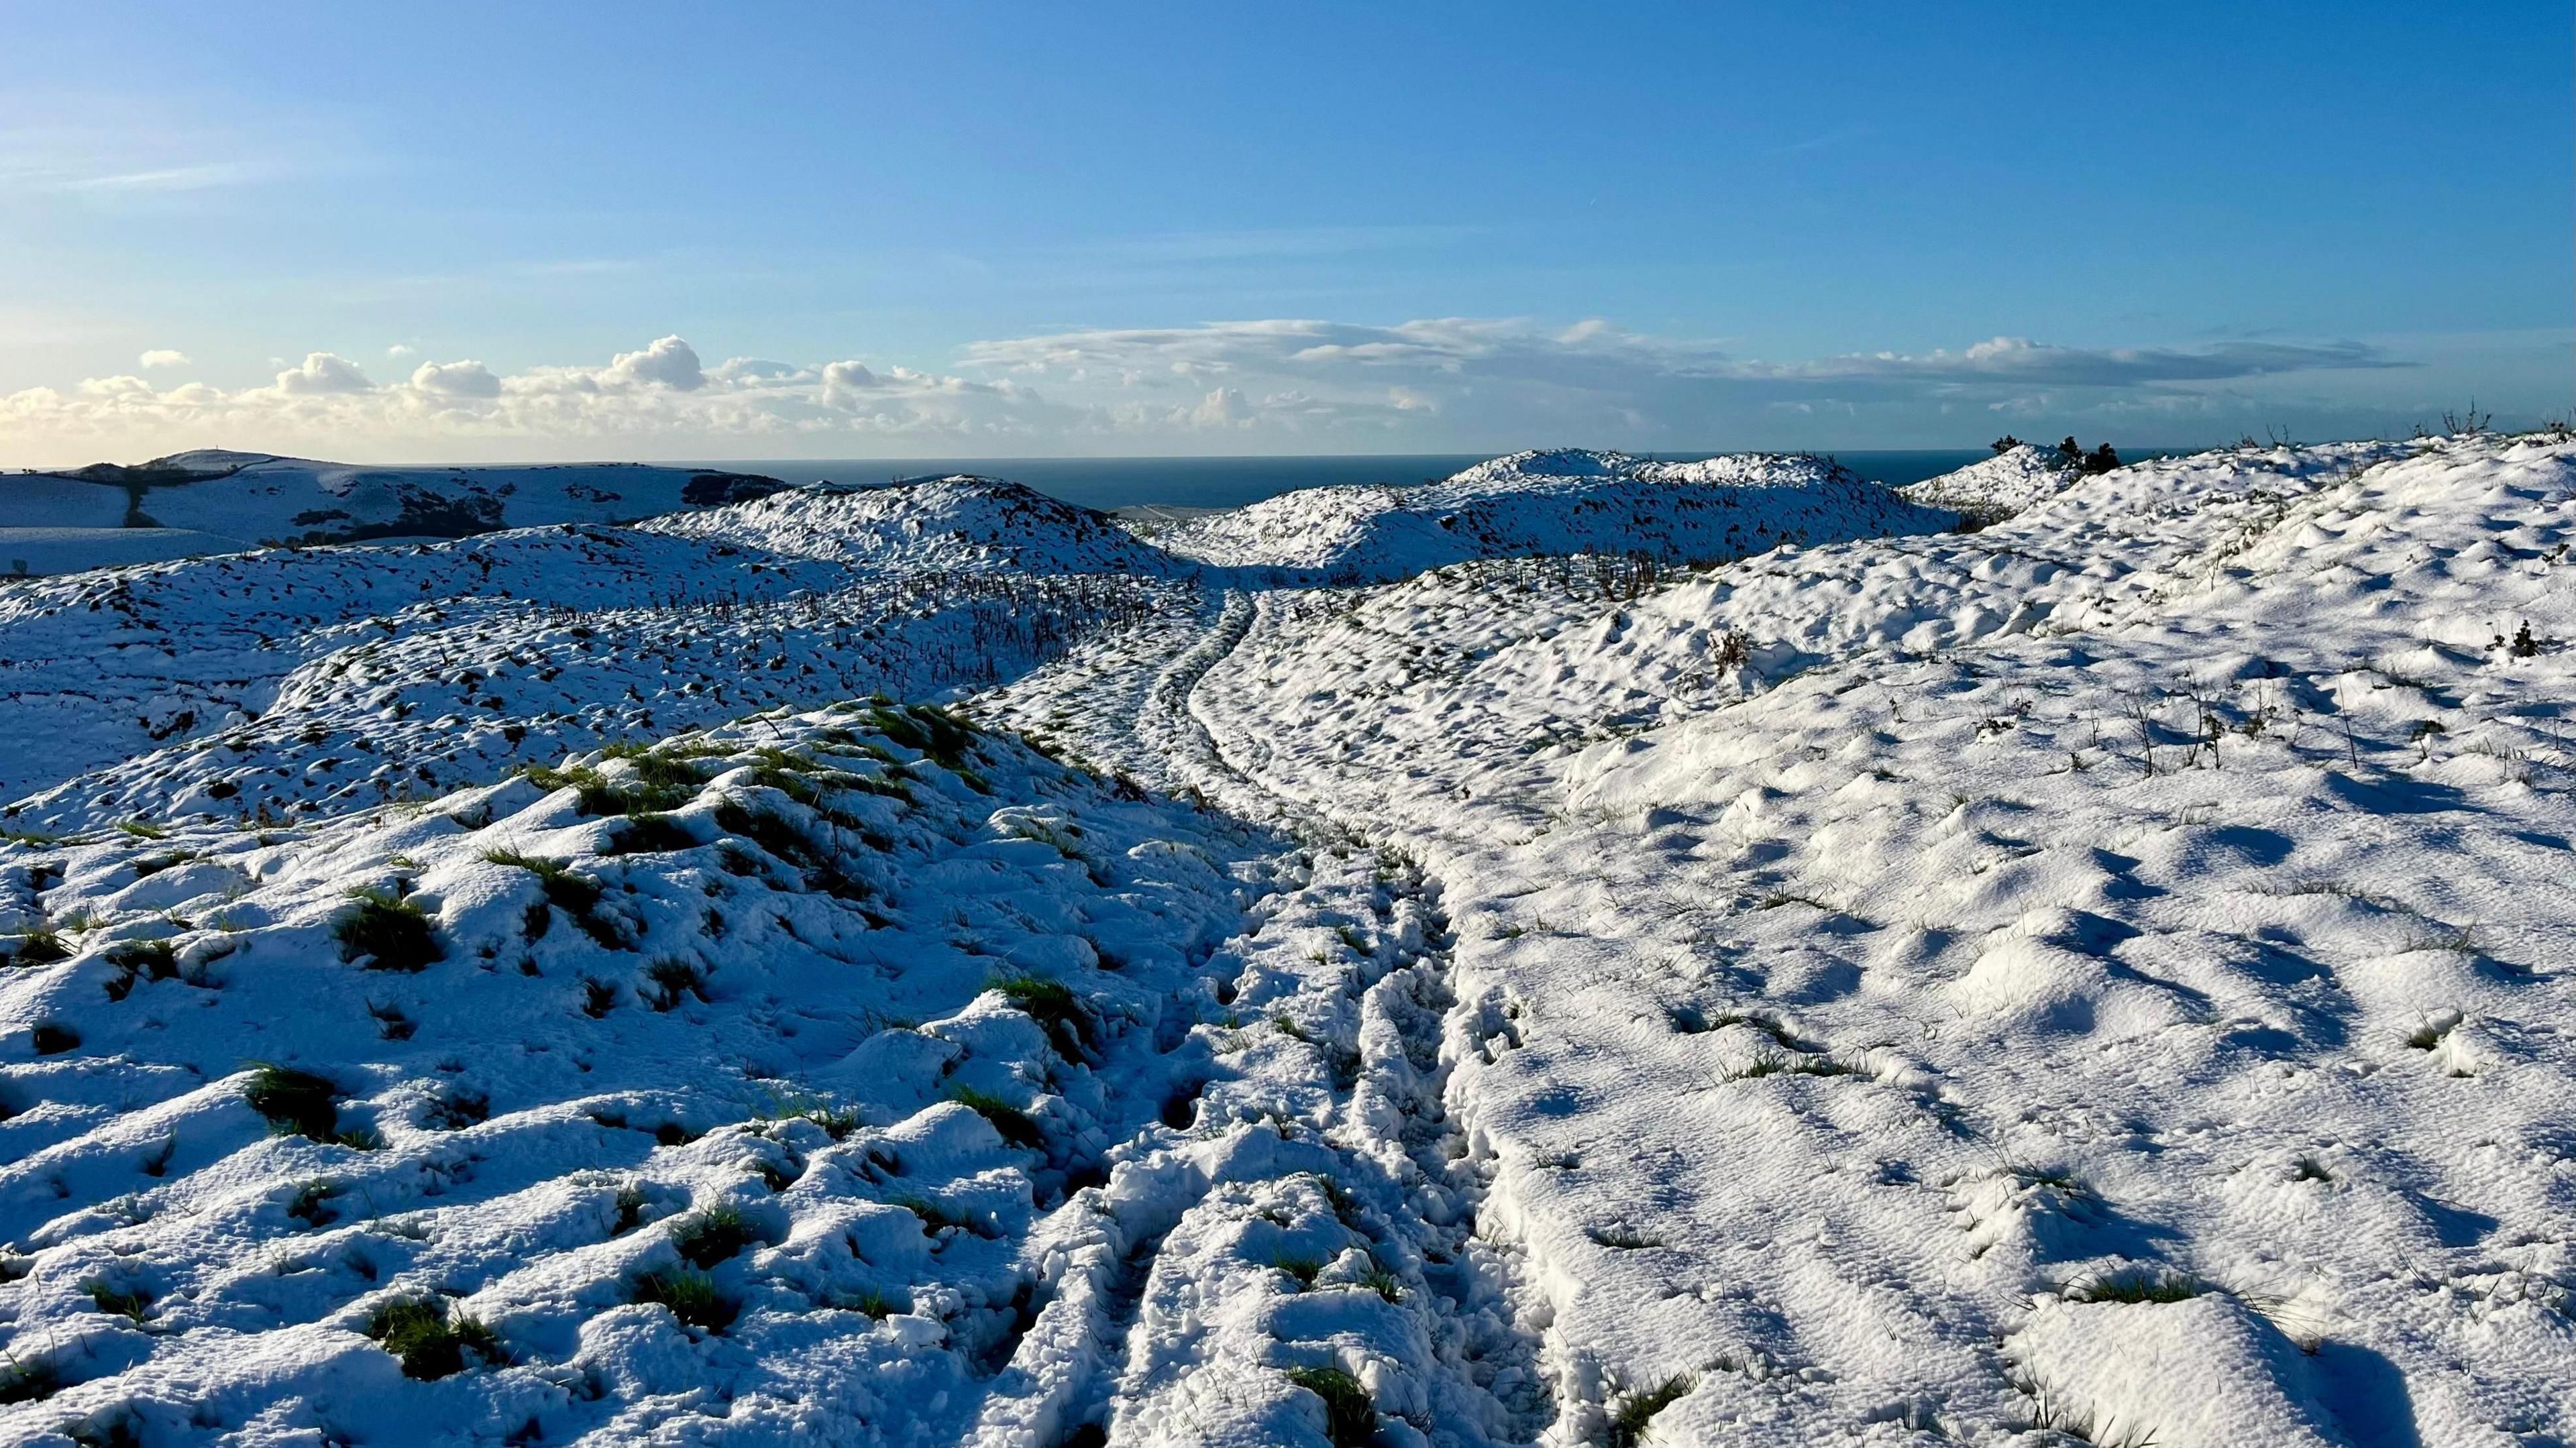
(1589, 952)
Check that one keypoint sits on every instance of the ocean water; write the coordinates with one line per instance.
(1233, 482)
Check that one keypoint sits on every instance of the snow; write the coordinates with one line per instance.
(1549, 503)
(2015, 479)
(274, 500)
(29, 551)
(2101, 977)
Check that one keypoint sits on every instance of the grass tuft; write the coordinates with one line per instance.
(1301, 1269)
(431, 1343)
(140, 960)
(29, 1382)
(935, 1217)
(1350, 1419)
(690, 1296)
(714, 1235)
(296, 1103)
(646, 834)
(389, 934)
(1384, 1283)
(1016, 1127)
(40, 947)
(673, 980)
(772, 832)
(1052, 1004)
(2138, 1284)
(1628, 1425)
(132, 1306)
(312, 1203)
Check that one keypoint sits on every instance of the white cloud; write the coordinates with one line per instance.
(321, 374)
(668, 361)
(456, 379)
(400, 350)
(1224, 407)
(164, 357)
(1278, 384)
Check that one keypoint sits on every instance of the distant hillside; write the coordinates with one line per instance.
(257, 497)
(1534, 503)
(936, 523)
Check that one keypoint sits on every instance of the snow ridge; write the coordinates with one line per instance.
(1550, 503)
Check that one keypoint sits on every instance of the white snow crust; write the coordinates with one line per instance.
(1793, 974)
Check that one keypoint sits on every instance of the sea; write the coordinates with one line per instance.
(1233, 482)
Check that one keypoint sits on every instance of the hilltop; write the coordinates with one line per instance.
(1558, 502)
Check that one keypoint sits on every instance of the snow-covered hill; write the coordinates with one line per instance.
(960, 522)
(2103, 977)
(267, 499)
(2000, 486)
(292, 680)
(1561, 502)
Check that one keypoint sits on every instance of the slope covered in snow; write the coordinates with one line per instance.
(959, 522)
(288, 680)
(2102, 977)
(1538, 503)
(1997, 488)
(295, 500)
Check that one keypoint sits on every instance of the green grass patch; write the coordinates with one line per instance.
(432, 1342)
(646, 834)
(772, 832)
(714, 1235)
(935, 1216)
(674, 980)
(1628, 1425)
(690, 1296)
(387, 933)
(1350, 1418)
(137, 960)
(29, 1382)
(1016, 1127)
(39, 947)
(133, 1306)
(295, 1103)
(311, 1203)
(1052, 1004)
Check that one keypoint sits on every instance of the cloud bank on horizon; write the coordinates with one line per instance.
(1252, 386)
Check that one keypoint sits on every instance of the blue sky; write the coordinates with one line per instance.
(852, 230)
